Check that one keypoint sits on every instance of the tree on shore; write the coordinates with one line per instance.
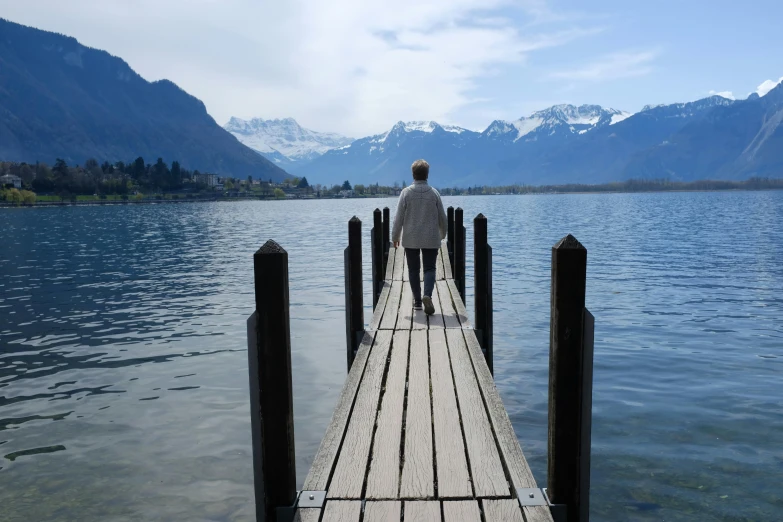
(346, 185)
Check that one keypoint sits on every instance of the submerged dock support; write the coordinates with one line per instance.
(482, 289)
(354, 302)
(459, 252)
(376, 254)
(271, 397)
(570, 384)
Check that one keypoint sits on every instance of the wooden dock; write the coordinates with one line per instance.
(419, 432)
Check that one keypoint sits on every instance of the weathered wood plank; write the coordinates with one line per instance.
(405, 274)
(399, 262)
(389, 275)
(351, 465)
(419, 320)
(461, 511)
(390, 317)
(417, 471)
(384, 478)
(439, 267)
(422, 511)
(537, 514)
(459, 306)
(342, 511)
(405, 311)
(444, 254)
(380, 308)
(435, 320)
(307, 515)
(318, 477)
(450, 317)
(489, 479)
(386, 511)
(505, 510)
(519, 471)
(453, 477)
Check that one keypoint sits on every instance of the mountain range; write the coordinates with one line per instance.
(60, 99)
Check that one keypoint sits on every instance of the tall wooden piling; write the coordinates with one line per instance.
(386, 238)
(271, 397)
(354, 304)
(570, 382)
(450, 236)
(482, 290)
(459, 252)
(376, 241)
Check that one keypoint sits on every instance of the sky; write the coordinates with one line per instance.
(358, 66)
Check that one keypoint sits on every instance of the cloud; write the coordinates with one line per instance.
(767, 85)
(725, 94)
(611, 67)
(352, 66)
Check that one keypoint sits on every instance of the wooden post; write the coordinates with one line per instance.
(450, 236)
(482, 269)
(459, 253)
(570, 382)
(376, 240)
(354, 304)
(386, 236)
(271, 397)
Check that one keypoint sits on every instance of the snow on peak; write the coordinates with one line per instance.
(767, 85)
(285, 136)
(425, 126)
(558, 118)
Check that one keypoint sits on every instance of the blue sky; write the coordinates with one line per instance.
(358, 66)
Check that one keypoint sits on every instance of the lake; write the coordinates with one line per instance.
(123, 365)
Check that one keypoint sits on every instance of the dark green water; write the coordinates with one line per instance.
(123, 374)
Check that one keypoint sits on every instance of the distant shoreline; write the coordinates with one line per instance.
(4, 204)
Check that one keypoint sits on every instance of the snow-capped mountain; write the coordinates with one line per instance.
(284, 141)
(556, 120)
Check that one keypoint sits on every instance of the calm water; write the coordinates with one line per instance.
(123, 374)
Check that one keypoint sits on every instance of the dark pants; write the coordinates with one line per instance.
(430, 257)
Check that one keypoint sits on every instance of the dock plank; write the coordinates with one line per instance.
(461, 511)
(537, 514)
(307, 515)
(417, 471)
(451, 465)
(504, 510)
(405, 311)
(385, 511)
(489, 479)
(392, 305)
(439, 275)
(519, 471)
(318, 476)
(380, 308)
(444, 253)
(435, 320)
(389, 275)
(421, 511)
(349, 472)
(384, 478)
(459, 306)
(399, 263)
(342, 511)
(450, 317)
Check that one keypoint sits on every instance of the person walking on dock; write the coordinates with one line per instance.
(421, 215)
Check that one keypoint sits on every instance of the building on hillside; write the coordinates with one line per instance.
(11, 179)
(210, 180)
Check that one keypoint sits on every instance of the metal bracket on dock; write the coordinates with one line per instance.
(538, 497)
(312, 499)
(532, 497)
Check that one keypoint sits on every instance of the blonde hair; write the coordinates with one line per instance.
(420, 169)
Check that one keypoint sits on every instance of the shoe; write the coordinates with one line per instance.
(417, 306)
(429, 308)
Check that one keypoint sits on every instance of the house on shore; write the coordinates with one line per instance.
(11, 179)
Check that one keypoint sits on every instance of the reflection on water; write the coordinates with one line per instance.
(123, 373)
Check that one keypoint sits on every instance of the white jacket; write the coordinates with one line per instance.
(421, 215)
